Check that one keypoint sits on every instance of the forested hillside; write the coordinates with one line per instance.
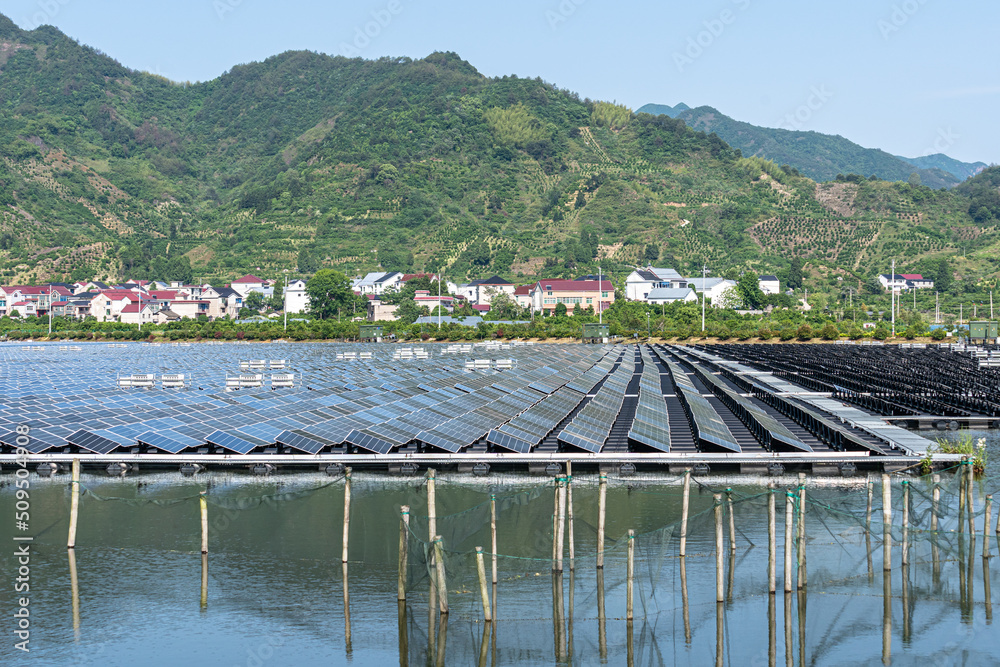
(310, 161)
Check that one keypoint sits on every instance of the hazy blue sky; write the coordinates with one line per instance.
(910, 76)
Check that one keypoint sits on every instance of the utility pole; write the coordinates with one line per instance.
(439, 301)
(647, 324)
(600, 304)
(284, 299)
(704, 273)
(892, 283)
(50, 310)
(937, 307)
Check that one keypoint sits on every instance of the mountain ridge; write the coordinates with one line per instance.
(820, 156)
(304, 160)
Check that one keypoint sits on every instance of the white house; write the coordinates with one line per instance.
(713, 288)
(482, 291)
(917, 281)
(132, 314)
(671, 295)
(640, 282)
(296, 297)
(378, 282)
(769, 284)
(893, 281)
(245, 285)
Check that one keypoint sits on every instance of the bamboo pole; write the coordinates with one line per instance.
(569, 514)
(74, 508)
(75, 593)
(347, 511)
(906, 522)
(204, 582)
(602, 501)
(970, 503)
(771, 543)
(431, 504)
(935, 502)
(986, 525)
(684, 511)
(483, 593)
(886, 523)
(404, 543)
(204, 522)
(493, 534)
(441, 581)
(961, 498)
(732, 520)
(630, 574)
(788, 541)
(555, 521)
(803, 580)
(561, 525)
(719, 589)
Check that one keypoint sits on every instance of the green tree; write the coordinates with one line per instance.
(254, 301)
(749, 292)
(943, 276)
(794, 278)
(307, 262)
(277, 298)
(560, 309)
(652, 253)
(329, 290)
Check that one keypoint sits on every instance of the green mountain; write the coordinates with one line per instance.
(820, 156)
(310, 161)
(957, 168)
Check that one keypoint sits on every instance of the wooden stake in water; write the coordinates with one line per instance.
(906, 523)
(629, 574)
(560, 524)
(483, 593)
(802, 531)
(347, 511)
(886, 523)
(74, 508)
(935, 501)
(771, 543)
(732, 520)
(602, 501)
(442, 583)
(789, 502)
(961, 497)
(684, 511)
(404, 544)
(493, 534)
(204, 522)
(431, 504)
(555, 522)
(719, 588)
(987, 513)
(569, 513)
(970, 503)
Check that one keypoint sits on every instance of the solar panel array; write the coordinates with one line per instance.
(568, 396)
(651, 426)
(592, 425)
(708, 425)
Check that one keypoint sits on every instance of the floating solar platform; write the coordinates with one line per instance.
(593, 405)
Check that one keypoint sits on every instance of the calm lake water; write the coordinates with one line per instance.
(275, 583)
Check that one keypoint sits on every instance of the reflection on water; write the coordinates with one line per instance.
(272, 590)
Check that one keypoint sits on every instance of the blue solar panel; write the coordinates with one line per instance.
(230, 442)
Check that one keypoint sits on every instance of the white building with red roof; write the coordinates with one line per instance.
(248, 283)
(134, 314)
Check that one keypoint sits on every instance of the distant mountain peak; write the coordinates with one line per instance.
(817, 155)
